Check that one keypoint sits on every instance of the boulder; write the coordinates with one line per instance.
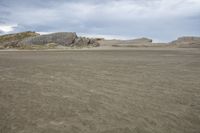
(83, 41)
(94, 43)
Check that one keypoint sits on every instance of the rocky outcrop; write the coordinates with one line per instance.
(186, 42)
(70, 39)
(11, 40)
(83, 41)
(29, 39)
(61, 38)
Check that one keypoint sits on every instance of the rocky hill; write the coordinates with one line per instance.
(61, 38)
(186, 42)
(127, 43)
(70, 39)
(11, 40)
(181, 42)
(142, 40)
(32, 39)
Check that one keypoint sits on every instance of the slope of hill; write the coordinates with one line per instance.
(186, 42)
(32, 39)
(11, 40)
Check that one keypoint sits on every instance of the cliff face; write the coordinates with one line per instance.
(61, 38)
(192, 42)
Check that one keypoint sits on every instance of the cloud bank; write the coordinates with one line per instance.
(158, 19)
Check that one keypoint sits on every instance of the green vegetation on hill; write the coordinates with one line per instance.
(17, 36)
(12, 40)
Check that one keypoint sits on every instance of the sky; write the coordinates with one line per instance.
(161, 20)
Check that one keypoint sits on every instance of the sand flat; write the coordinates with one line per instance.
(100, 91)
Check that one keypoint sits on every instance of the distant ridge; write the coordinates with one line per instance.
(187, 41)
(32, 39)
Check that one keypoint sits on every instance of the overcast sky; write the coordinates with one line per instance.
(162, 20)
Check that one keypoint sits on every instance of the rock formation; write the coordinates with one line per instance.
(186, 42)
(33, 39)
(61, 38)
(11, 40)
(83, 41)
(70, 39)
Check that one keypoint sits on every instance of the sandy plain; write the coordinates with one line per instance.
(142, 90)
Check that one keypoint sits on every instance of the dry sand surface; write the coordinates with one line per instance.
(100, 91)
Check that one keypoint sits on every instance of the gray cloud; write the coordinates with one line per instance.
(158, 19)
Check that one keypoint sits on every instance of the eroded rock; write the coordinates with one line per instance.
(60, 38)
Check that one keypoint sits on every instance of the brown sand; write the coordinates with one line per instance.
(100, 91)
